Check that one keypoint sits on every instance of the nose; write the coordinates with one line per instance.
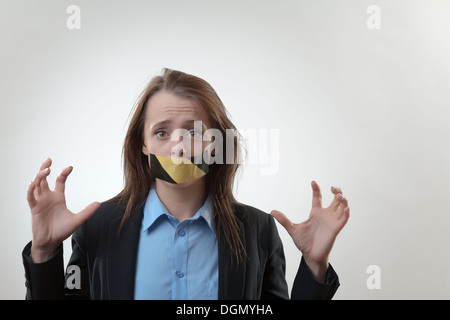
(178, 151)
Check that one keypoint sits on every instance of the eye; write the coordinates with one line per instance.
(161, 133)
(195, 133)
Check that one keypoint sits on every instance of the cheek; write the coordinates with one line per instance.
(146, 146)
(161, 147)
(150, 144)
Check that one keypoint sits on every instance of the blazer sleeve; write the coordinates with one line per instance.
(305, 287)
(274, 280)
(49, 281)
(44, 280)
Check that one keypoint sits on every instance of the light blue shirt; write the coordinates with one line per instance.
(176, 260)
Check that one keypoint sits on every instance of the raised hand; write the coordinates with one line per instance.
(315, 237)
(52, 222)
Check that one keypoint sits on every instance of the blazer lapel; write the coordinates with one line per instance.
(122, 256)
(231, 275)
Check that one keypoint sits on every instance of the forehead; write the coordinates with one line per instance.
(164, 106)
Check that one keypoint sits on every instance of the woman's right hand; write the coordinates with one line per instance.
(52, 222)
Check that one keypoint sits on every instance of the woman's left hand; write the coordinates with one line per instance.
(315, 237)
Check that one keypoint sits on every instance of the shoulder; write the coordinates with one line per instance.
(107, 212)
(252, 217)
(112, 208)
(244, 211)
(260, 231)
(102, 225)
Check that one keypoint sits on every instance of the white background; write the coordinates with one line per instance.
(365, 110)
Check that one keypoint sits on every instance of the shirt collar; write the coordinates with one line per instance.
(154, 208)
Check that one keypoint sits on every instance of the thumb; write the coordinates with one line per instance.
(87, 212)
(283, 220)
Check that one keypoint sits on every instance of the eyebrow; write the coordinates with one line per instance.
(166, 122)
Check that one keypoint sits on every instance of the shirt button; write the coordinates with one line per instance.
(181, 232)
(179, 274)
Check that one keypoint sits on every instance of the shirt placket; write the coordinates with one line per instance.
(179, 261)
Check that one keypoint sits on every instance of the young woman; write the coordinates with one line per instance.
(176, 231)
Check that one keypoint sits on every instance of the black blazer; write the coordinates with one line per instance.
(107, 262)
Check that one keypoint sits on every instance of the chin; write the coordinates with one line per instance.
(181, 185)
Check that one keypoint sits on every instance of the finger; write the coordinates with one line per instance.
(343, 200)
(344, 218)
(343, 203)
(60, 183)
(317, 195)
(37, 190)
(41, 175)
(338, 201)
(283, 220)
(336, 190)
(86, 213)
(46, 164)
(335, 203)
(30, 195)
(43, 185)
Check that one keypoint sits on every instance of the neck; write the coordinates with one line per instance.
(182, 202)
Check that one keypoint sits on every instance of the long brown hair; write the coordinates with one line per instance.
(220, 179)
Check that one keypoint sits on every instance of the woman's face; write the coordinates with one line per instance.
(174, 126)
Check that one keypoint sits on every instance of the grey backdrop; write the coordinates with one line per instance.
(360, 108)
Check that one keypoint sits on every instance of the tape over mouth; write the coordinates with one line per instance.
(178, 170)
